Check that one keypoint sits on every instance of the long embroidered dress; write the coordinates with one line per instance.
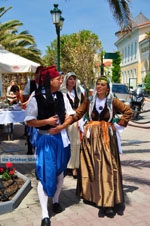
(100, 177)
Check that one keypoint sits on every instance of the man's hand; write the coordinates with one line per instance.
(52, 120)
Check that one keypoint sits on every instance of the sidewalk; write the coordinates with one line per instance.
(136, 181)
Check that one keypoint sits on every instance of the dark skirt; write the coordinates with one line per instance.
(100, 177)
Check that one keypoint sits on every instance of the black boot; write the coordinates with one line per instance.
(101, 212)
(46, 222)
(119, 208)
(109, 212)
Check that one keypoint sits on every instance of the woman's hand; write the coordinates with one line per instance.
(113, 127)
(66, 116)
(55, 130)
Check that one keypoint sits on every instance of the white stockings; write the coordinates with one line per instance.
(44, 198)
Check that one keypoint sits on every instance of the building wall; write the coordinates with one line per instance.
(145, 61)
(133, 62)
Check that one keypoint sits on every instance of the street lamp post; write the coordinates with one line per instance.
(58, 21)
(102, 65)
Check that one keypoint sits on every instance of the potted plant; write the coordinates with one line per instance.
(13, 188)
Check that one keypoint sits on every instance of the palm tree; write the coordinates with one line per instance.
(121, 12)
(3, 10)
(22, 43)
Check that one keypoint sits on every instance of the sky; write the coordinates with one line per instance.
(93, 15)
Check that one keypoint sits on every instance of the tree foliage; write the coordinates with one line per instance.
(116, 70)
(21, 43)
(121, 12)
(77, 54)
(147, 82)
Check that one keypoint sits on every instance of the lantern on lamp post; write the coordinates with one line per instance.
(58, 21)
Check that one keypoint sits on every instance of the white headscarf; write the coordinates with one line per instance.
(64, 89)
(109, 100)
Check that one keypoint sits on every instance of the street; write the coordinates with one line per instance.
(136, 182)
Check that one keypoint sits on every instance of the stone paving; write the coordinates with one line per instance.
(136, 180)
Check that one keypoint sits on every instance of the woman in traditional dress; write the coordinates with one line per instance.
(100, 177)
(75, 94)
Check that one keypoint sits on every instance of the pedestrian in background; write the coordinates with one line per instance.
(62, 74)
(9, 93)
(22, 86)
(15, 95)
(30, 88)
(71, 87)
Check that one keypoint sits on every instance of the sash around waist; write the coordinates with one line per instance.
(44, 132)
(63, 133)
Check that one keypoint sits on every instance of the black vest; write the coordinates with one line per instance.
(48, 109)
(33, 86)
(97, 116)
(76, 103)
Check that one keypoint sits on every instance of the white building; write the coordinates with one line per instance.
(134, 50)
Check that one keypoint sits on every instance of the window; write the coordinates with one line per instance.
(131, 74)
(125, 54)
(135, 50)
(131, 51)
(134, 72)
(128, 53)
(125, 78)
(122, 78)
(128, 77)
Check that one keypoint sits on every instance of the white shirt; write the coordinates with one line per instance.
(100, 103)
(32, 109)
(32, 113)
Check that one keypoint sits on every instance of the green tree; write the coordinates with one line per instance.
(147, 82)
(116, 69)
(77, 54)
(21, 43)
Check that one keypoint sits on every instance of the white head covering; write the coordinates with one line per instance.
(64, 89)
(109, 100)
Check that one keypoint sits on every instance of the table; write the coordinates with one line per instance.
(10, 117)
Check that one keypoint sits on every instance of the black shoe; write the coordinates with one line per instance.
(109, 212)
(101, 212)
(57, 208)
(119, 208)
(46, 222)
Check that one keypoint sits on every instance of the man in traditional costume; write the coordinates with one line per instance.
(46, 110)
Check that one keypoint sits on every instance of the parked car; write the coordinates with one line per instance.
(121, 91)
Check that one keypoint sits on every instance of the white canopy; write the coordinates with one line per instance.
(13, 63)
